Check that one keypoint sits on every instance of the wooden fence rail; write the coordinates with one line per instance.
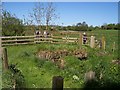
(17, 40)
(35, 39)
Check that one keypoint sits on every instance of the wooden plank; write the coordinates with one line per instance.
(71, 41)
(58, 42)
(62, 42)
(17, 44)
(43, 38)
(70, 38)
(8, 37)
(18, 40)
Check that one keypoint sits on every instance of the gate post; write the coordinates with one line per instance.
(80, 40)
(5, 58)
(57, 83)
(0, 42)
(92, 41)
(103, 43)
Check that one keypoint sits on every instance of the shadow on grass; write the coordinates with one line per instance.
(90, 85)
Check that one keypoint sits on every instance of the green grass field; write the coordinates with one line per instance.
(38, 73)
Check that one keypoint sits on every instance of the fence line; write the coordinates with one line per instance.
(17, 40)
(35, 39)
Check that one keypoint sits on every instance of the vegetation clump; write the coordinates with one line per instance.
(13, 78)
(55, 55)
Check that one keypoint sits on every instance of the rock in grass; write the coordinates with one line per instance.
(89, 76)
(116, 61)
(61, 64)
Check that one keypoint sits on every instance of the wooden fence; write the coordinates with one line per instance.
(35, 39)
(18, 40)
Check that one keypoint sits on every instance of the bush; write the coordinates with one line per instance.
(13, 74)
(11, 25)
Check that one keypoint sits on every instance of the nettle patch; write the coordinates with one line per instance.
(57, 56)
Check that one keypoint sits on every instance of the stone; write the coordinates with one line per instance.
(89, 76)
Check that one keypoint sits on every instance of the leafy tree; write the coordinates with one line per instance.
(110, 26)
(78, 24)
(118, 26)
(82, 26)
(11, 25)
(91, 28)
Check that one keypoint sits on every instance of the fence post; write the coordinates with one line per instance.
(89, 76)
(5, 58)
(16, 39)
(1, 53)
(92, 41)
(0, 42)
(35, 38)
(113, 47)
(51, 37)
(80, 40)
(0, 48)
(103, 43)
(57, 83)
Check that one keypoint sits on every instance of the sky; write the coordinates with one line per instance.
(60, 0)
(70, 13)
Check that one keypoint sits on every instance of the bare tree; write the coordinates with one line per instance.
(50, 14)
(28, 23)
(38, 14)
(43, 14)
(1, 8)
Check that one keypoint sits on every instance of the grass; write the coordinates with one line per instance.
(38, 73)
(25, 60)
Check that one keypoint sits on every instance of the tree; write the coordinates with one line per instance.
(11, 25)
(78, 24)
(82, 26)
(110, 26)
(0, 19)
(91, 28)
(37, 16)
(43, 14)
(104, 26)
(50, 14)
